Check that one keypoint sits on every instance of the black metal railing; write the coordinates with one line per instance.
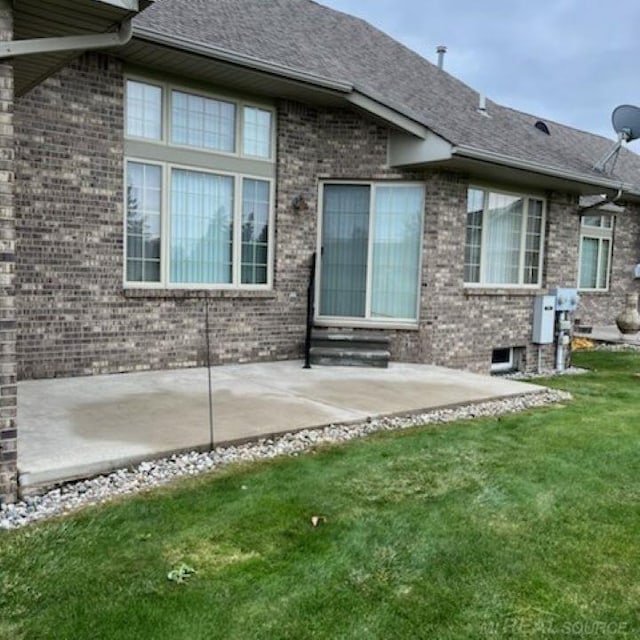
(311, 293)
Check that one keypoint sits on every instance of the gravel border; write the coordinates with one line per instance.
(73, 496)
(546, 373)
(617, 346)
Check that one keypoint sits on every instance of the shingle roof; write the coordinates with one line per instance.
(307, 36)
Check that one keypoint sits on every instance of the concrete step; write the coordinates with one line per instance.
(347, 357)
(352, 341)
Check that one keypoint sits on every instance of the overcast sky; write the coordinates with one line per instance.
(567, 60)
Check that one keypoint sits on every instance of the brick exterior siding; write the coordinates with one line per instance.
(75, 318)
(8, 398)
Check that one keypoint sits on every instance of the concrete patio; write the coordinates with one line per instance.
(77, 427)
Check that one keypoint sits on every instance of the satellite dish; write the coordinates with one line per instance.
(626, 122)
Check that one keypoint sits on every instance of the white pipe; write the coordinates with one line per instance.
(539, 359)
(561, 334)
(560, 354)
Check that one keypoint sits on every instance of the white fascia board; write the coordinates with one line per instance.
(226, 55)
(407, 150)
(492, 157)
(387, 114)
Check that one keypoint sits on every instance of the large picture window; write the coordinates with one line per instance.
(194, 216)
(370, 253)
(196, 232)
(596, 239)
(504, 239)
(201, 228)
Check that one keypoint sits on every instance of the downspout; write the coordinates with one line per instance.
(15, 48)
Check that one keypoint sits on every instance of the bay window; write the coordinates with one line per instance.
(504, 239)
(371, 239)
(194, 217)
(596, 240)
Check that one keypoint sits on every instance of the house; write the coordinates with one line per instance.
(199, 165)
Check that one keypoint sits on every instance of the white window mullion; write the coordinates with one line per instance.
(166, 114)
(236, 236)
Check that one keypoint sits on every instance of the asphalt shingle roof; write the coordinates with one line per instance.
(307, 36)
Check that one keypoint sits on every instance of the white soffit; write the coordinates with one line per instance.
(59, 18)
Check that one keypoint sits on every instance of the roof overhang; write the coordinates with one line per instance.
(206, 63)
(35, 19)
(412, 144)
(436, 152)
(214, 65)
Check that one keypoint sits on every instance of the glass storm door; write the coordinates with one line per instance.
(370, 253)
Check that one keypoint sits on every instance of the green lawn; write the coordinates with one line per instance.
(525, 526)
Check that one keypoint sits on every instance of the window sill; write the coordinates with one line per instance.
(365, 324)
(199, 293)
(502, 291)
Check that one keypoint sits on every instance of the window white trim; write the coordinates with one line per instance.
(484, 282)
(367, 321)
(499, 367)
(165, 214)
(601, 232)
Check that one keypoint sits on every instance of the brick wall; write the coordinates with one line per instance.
(75, 318)
(8, 426)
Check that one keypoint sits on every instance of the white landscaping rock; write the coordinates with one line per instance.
(154, 473)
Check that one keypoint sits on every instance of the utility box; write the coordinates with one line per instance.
(544, 315)
(566, 299)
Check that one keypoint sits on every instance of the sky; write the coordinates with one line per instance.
(572, 61)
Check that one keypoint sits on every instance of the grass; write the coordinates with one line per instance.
(523, 526)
